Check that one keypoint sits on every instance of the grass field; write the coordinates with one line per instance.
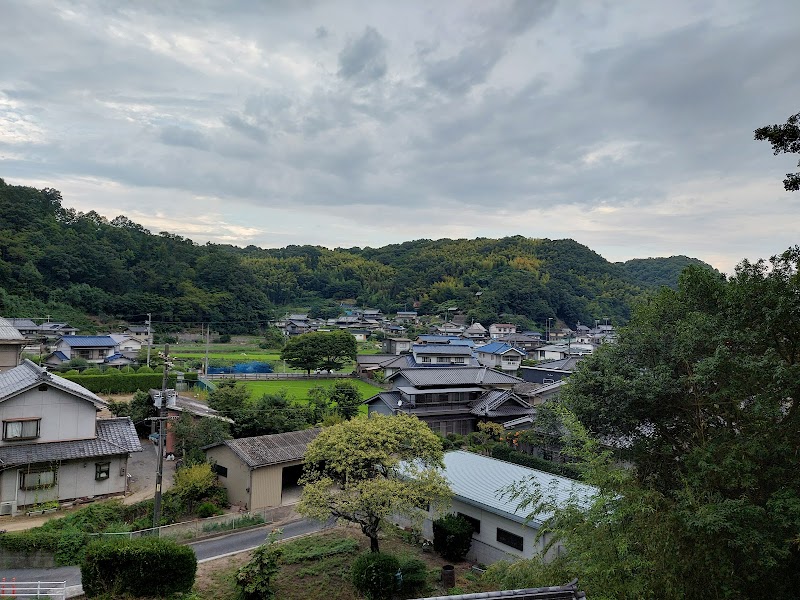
(298, 389)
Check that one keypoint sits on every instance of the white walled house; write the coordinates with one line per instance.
(497, 330)
(53, 447)
(501, 529)
(500, 355)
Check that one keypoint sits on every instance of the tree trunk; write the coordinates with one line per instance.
(373, 543)
(371, 531)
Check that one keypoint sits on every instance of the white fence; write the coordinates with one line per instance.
(189, 530)
(55, 590)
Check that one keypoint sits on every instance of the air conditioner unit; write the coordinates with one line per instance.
(6, 508)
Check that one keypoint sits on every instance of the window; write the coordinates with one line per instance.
(458, 359)
(220, 470)
(426, 359)
(509, 539)
(442, 359)
(102, 470)
(476, 523)
(37, 479)
(21, 429)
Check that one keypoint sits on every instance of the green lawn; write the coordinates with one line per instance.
(298, 388)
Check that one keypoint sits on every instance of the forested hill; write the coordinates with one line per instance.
(56, 261)
(657, 272)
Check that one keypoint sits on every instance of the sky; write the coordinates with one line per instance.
(627, 126)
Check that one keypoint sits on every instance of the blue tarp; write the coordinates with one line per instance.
(243, 367)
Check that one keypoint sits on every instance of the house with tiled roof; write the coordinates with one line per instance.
(497, 330)
(500, 355)
(261, 471)
(11, 344)
(451, 399)
(53, 447)
(93, 348)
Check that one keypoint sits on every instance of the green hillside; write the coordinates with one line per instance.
(58, 262)
(657, 272)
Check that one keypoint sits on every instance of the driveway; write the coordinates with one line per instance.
(142, 471)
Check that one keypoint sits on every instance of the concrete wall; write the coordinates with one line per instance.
(63, 416)
(75, 479)
(237, 481)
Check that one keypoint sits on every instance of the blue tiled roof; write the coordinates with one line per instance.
(499, 348)
(77, 341)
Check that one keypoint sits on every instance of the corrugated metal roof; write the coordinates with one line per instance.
(114, 437)
(8, 331)
(263, 450)
(29, 374)
(480, 481)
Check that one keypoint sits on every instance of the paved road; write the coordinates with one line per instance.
(204, 550)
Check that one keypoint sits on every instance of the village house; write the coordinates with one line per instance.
(11, 345)
(500, 355)
(451, 399)
(92, 348)
(53, 447)
(396, 345)
(497, 330)
(501, 530)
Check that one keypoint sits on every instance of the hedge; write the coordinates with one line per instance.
(508, 454)
(125, 383)
(66, 546)
(144, 567)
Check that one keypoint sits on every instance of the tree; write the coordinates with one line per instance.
(320, 350)
(366, 470)
(138, 409)
(229, 398)
(272, 413)
(254, 579)
(192, 435)
(784, 139)
(701, 393)
(347, 397)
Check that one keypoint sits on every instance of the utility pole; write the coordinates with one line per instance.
(149, 341)
(161, 418)
(208, 336)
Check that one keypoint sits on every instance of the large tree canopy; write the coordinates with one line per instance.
(702, 392)
(366, 470)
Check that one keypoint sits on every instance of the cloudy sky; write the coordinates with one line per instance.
(627, 126)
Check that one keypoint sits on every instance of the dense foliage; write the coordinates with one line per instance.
(657, 272)
(56, 261)
(452, 536)
(366, 470)
(702, 391)
(373, 575)
(254, 579)
(143, 567)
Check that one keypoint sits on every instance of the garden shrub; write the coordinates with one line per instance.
(452, 537)
(116, 568)
(144, 370)
(415, 575)
(374, 575)
(508, 454)
(208, 509)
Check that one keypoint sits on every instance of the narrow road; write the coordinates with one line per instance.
(205, 550)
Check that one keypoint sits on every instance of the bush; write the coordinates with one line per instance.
(452, 537)
(373, 575)
(208, 509)
(93, 371)
(225, 338)
(116, 568)
(508, 454)
(415, 575)
(144, 369)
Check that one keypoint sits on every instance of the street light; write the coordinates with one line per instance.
(548, 327)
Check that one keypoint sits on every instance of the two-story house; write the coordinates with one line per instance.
(93, 348)
(497, 330)
(500, 355)
(442, 354)
(396, 345)
(451, 399)
(53, 447)
(11, 344)
(476, 332)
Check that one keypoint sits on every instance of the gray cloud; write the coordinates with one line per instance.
(363, 59)
(576, 114)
